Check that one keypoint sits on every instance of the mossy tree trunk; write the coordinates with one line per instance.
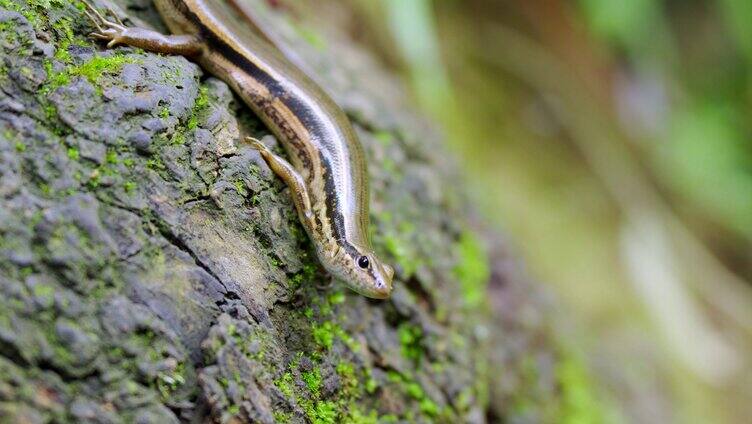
(152, 269)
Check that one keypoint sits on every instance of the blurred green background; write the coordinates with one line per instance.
(612, 140)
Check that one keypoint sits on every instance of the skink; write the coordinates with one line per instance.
(326, 172)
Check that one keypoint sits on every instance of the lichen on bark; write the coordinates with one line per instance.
(152, 268)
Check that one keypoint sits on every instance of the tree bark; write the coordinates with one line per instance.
(152, 268)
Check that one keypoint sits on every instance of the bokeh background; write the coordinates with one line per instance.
(612, 141)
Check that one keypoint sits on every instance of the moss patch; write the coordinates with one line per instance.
(414, 390)
(580, 401)
(472, 269)
(410, 338)
(92, 70)
(399, 244)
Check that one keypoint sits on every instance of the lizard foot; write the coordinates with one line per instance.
(112, 31)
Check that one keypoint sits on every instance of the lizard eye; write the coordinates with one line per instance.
(363, 262)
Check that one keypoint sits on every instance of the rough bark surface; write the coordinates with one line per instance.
(152, 269)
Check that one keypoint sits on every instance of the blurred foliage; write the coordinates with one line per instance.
(612, 139)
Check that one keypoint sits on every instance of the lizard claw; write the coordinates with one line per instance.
(117, 18)
(93, 14)
(106, 30)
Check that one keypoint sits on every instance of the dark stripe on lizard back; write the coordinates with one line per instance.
(297, 108)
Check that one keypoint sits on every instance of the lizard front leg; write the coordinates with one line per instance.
(291, 177)
(116, 33)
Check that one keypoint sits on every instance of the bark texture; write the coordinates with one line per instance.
(152, 269)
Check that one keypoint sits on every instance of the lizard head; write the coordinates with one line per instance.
(362, 271)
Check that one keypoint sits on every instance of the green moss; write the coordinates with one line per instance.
(44, 292)
(62, 53)
(390, 168)
(358, 417)
(178, 138)
(202, 101)
(73, 153)
(10, 33)
(50, 111)
(399, 251)
(112, 157)
(20, 147)
(464, 399)
(316, 410)
(312, 37)
(415, 391)
(66, 38)
(429, 407)
(304, 388)
(580, 402)
(29, 9)
(240, 188)
(324, 413)
(346, 370)
(26, 271)
(129, 186)
(371, 385)
(92, 70)
(285, 384)
(394, 376)
(389, 418)
(156, 164)
(472, 269)
(55, 80)
(282, 417)
(384, 137)
(224, 382)
(324, 334)
(169, 382)
(337, 297)
(99, 65)
(312, 380)
(410, 338)
(398, 244)
(351, 387)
